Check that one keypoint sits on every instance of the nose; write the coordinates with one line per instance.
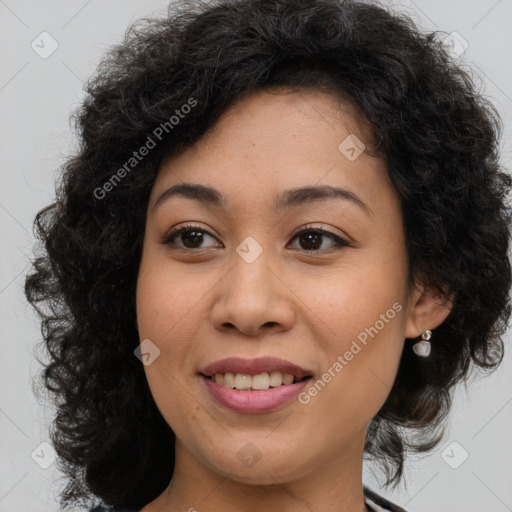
(254, 299)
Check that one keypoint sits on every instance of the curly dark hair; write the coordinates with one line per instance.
(437, 133)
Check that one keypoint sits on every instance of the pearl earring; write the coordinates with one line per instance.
(422, 348)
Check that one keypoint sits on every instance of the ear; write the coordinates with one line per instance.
(427, 309)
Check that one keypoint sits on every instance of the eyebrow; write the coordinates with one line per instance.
(288, 199)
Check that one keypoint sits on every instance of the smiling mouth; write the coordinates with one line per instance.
(259, 382)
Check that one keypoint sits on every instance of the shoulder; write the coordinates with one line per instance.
(378, 503)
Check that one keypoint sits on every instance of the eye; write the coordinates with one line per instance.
(311, 238)
(190, 236)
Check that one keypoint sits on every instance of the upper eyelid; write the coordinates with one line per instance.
(175, 231)
(309, 227)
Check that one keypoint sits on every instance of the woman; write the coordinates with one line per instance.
(282, 243)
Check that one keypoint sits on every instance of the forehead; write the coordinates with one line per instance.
(280, 117)
(276, 140)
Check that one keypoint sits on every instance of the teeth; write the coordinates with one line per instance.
(245, 382)
(229, 380)
(287, 378)
(276, 379)
(261, 381)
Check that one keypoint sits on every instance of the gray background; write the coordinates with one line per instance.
(36, 97)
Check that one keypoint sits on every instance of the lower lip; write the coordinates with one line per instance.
(254, 402)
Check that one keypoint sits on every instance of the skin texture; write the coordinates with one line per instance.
(201, 305)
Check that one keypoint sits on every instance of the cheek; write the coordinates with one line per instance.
(167, 302)
(348, 299)
(166, 317)
(361, 362)
(363, 306)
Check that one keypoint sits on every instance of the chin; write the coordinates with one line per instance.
(255, 466)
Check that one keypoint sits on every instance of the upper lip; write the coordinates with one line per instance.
(255, 366)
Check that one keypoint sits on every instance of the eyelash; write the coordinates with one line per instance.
(340, 242)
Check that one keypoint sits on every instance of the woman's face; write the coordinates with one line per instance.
(243, 283)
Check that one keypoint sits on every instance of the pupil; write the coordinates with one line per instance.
(194, 237)
(309, 237)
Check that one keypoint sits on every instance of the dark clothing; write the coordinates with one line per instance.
(371, 498)
(380, 501)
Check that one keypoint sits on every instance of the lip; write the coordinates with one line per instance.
(255, 366)
(254, 402)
